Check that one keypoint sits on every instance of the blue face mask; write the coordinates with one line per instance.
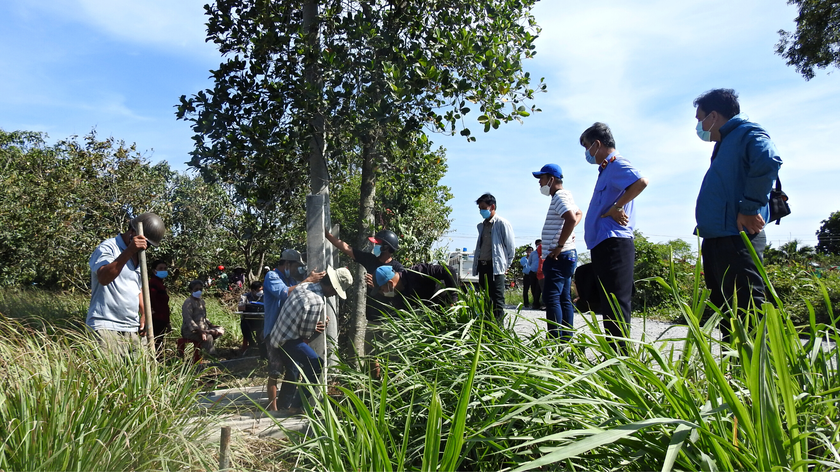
(701, 133)
(589, 157)
(288, 273)
(377, 250)
(162, 274)
(485, 213)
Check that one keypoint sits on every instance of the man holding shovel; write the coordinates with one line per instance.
(115, 285)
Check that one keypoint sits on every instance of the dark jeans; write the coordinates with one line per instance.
(729, 270)
(613, 260)
(536, 289)
(297, 354)
(558, 296)
(495, 286)
(526, 286)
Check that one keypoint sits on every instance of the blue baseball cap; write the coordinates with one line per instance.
(550, 169)
(384, 274)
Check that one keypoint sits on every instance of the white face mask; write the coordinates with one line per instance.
(546, 189)
(197, 294)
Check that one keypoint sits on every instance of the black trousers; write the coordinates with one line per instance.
(613, 260)
(526, 286)
(495, 285)
(729, 271)
(536, 289)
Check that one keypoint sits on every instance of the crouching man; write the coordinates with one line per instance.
(302, 316)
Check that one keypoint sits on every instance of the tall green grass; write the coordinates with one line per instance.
(64, 405)
(465, 394)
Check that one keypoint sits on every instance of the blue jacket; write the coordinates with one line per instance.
(744, 166)
(275, 292)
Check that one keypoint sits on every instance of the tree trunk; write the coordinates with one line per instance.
(365, 223)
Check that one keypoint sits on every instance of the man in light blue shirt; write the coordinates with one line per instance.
(116, 300)
(534, 263)
(526, 276)
(609, 224)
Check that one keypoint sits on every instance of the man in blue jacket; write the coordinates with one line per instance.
(733, 197)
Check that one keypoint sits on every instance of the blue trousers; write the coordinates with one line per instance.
(557, 294)
(297, 354)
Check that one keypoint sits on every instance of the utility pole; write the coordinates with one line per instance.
(318, 254)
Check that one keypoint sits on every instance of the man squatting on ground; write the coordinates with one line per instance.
(734, 197)
(195, 326)
(609, 224)
(303, 315)
(494, 252)
(116, 300)
(277, 286)
(385, 244)
(559, 253)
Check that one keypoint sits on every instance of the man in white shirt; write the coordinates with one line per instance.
(558, 252)
(115, 286)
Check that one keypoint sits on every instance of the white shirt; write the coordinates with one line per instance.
(115, 306)
(561, 202)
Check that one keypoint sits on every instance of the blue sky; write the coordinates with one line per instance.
(68, 66)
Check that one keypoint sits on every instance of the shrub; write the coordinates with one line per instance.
(459, 393)
(66, 405)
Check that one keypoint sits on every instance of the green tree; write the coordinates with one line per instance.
(654, 260)
(816, 41)
(369, 75)
(829, 235)
(57, 203)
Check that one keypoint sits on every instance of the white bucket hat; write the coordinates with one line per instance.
(340, 279)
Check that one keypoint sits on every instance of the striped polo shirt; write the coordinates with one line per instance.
(561, 202)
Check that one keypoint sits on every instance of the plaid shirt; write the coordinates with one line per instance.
(300, 314)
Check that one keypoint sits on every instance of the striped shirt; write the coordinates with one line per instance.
(299, 315)
(561, 202)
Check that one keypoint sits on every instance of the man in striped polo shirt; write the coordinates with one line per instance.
(558, 252)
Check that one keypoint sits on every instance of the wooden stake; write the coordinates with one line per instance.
(224, 449)
(147, 300)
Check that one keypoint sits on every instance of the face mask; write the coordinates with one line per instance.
(287, 272)
(589, 157)
(377, 250)
(701, 133)
(162, 274)
(260, 293)
(197, 294)
(545, 190)
(301, 270)
(485, 213)
(390, 294)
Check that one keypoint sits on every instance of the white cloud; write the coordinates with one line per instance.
(175, 26)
